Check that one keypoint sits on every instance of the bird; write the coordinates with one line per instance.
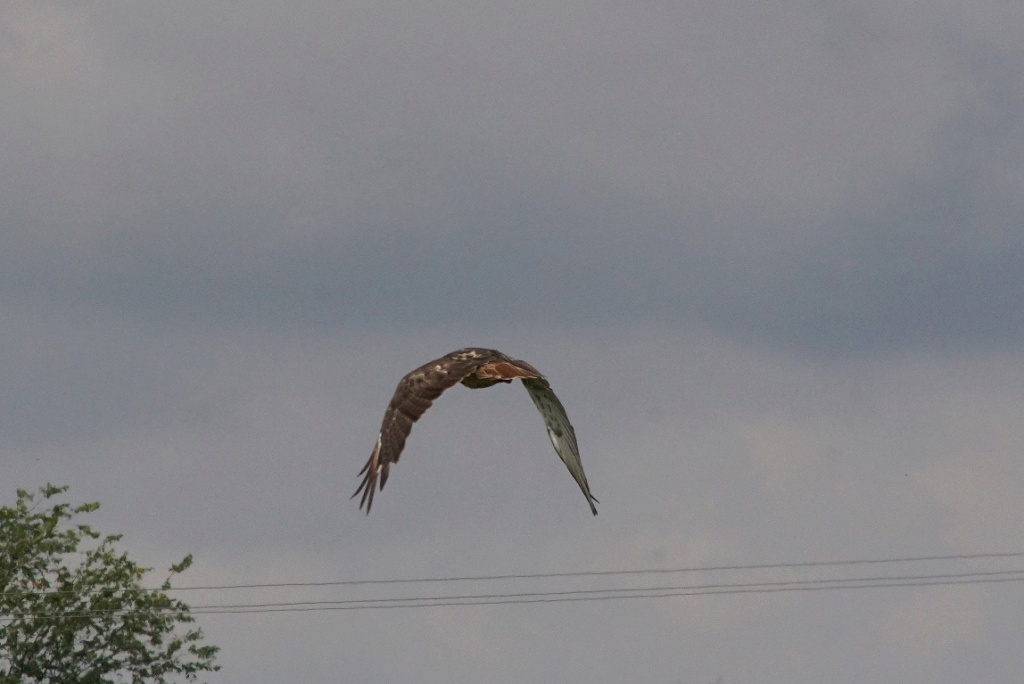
(476, 368)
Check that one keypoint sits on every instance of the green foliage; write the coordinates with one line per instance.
(72, 615)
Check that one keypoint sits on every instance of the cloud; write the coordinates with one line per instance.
(769, 256)
(832, 205)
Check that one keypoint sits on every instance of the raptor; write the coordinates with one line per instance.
(475, 368)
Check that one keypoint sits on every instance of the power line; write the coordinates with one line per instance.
(609, 573)
(804, 584)
(875, 582)
(562, 599)
(1018, 574)
(579, 574)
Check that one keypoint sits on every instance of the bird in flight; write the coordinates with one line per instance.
(474, 368)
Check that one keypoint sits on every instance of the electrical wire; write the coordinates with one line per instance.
(609, 573)
(583, 574)
(871, 582)
(825, 583)
(562, 599)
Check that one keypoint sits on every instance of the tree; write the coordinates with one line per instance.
(80, 615)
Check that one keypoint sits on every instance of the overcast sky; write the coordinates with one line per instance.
(770, 255)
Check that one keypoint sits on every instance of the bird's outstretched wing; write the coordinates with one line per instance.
(413, 396)
(560, 431)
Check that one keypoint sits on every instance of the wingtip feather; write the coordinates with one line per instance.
(371, 471)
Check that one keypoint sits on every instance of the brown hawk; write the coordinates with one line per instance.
(474, 368)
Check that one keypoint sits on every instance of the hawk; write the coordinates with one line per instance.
(474, 368)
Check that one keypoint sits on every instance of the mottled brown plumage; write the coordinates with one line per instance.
(475, 368)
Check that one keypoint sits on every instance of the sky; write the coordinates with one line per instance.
(769, 255)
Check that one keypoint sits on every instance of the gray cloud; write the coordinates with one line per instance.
(207, 177)
(769, 255)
